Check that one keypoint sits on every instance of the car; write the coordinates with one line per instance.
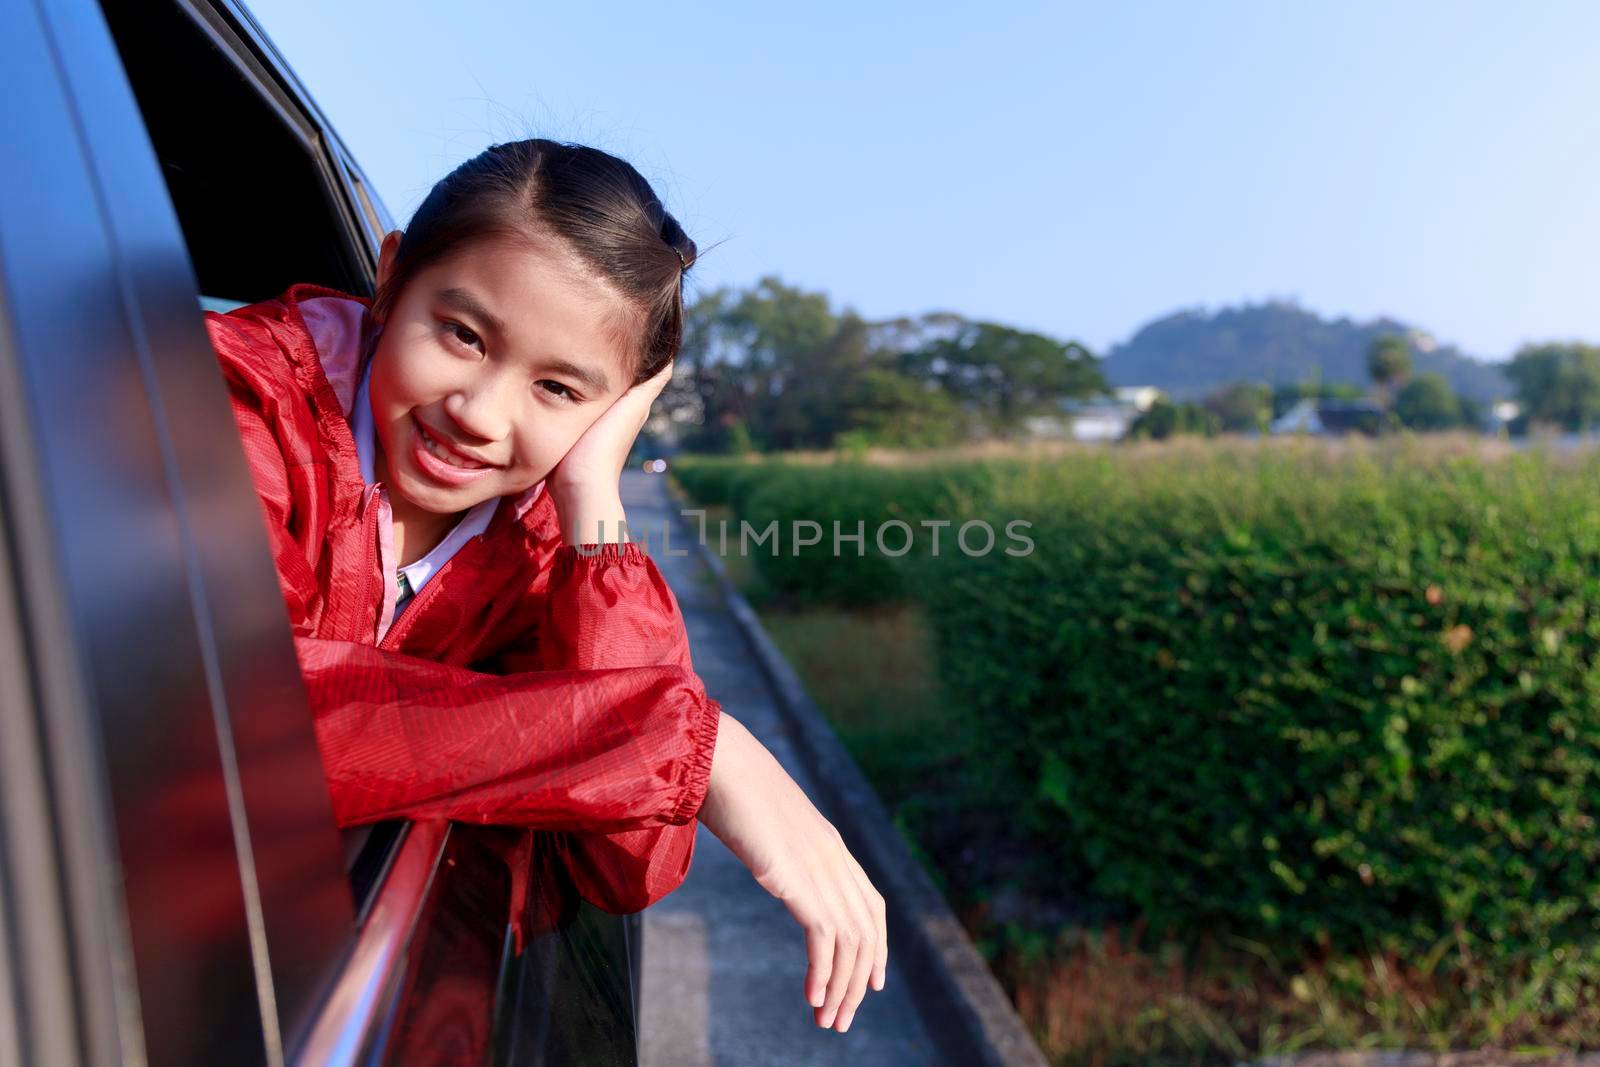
(173, 888)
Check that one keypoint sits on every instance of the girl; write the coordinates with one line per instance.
(440, 467)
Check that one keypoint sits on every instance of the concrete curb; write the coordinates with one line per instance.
(964, 1005)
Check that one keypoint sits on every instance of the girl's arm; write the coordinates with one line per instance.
(610, 608)
(599, 751)
(752, 804)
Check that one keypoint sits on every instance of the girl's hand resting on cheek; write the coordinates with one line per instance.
(585, 483)
(765, 819)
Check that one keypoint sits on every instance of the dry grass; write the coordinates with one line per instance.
(977, 450)
(1405, 445)
(1096, 998)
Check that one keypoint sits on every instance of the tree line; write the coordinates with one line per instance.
(774, 366)
(1556, 386)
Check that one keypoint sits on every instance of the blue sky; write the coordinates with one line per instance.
(1076, 169)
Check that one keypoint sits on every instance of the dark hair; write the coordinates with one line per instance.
(597, 206)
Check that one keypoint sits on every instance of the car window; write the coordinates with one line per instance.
(218, 304)
(261, 201)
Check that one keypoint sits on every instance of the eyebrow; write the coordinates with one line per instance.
(468, 304)
(463, 301)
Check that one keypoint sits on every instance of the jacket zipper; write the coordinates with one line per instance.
(418, 601)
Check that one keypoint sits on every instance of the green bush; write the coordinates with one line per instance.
(859, 498)
(1348, 703)
(715, 481)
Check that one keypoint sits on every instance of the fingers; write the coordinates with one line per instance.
(866, 956)
(847, 944)
(641, 397)
(819, 949)
(843, 950)
(860, 946)
(878, 911)
(652, 386)
(871, 941)
(800, 858)
(660, 378)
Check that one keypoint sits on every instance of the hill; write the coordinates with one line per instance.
(1188, 353)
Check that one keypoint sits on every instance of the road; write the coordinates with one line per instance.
(724, 963)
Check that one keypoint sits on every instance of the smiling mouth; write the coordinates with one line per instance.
(439, 451)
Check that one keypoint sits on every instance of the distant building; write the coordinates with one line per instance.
(1502, 413)
(1103, 422)
(1100, 418)
(1330, 418)
(1140, 396)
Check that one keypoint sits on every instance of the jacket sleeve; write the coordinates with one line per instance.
(604, 750)
(614, 610)
(599, 751)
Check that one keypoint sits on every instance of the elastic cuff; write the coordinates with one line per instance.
(604, 552)
(698, 780)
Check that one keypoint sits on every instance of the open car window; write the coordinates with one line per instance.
(262, 199)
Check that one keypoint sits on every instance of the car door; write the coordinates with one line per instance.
(172, 888)
(150, 895)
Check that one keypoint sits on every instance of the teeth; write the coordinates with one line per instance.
(444, 454)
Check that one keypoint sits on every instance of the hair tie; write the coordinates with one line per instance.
(668, 223)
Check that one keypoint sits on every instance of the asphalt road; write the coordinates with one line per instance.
(724, 963)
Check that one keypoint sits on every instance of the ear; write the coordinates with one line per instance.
(388, 252)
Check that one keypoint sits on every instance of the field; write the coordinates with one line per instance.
(1262, 746)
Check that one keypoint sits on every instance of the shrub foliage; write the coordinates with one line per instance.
(1325, 702)
(1351, 703)
(859, 497)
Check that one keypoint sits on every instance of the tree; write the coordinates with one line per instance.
(1558, 384)
(1242, 407)
(774, 366)
(1003, 375)
(1164, 419)
(1428, 403)
(1285, 397)
(784, 333)
(691, 409)
(888, 408)
(1388, 364)
(741, 349)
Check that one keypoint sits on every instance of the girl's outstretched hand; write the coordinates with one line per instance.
(765, 819)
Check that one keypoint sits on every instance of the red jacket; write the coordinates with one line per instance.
(526, 685)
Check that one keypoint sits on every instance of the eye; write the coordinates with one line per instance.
(558, 390)
(463, 336)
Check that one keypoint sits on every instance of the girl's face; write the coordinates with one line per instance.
(490, 366)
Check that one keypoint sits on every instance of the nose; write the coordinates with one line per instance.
(482, 407)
